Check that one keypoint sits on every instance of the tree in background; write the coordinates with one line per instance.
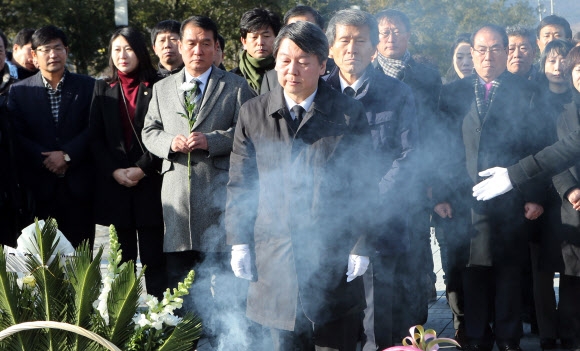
(89, 23)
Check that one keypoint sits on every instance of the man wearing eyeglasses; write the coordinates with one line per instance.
(394, 59)
(491, 121)
(50, 114)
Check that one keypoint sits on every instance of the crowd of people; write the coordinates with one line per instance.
(301, 186)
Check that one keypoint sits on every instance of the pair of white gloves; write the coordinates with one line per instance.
(241, 263)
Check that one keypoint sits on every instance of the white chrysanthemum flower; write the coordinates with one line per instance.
(186, 86)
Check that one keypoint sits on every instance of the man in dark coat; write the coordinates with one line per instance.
(165, 39)
(353, 36)
(9, 194)
(258, 29)
(394, 59)
(298, 196)
(492, 115)
(50, 114)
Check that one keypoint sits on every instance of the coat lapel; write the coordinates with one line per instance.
(211, 95)
(113, 118)
(179, 78)
(45, 116)
(68, 95)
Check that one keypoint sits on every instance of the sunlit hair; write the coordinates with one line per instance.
(554, 20)
(494, 28)
(46, 34)
(524, 32)
(258, 18)
(137, 43)
(23, 37)
(303, 10)
(307, 36)
(355, 18)
(167, 26)
(394, 15)
(202, 22)
(558, 47)
(572, 60)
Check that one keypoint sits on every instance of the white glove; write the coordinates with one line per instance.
(357, 266)
(497, 184)
(240, 262)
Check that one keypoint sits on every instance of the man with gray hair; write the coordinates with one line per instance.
(298, 205)
(353, 36)
(521, 52)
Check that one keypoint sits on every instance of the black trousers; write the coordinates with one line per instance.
(74, 215)
(150, 241)
(492, 296)
(338, 335)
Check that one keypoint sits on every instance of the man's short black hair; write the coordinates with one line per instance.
(307, 36)
(258, 18)
(46, 34)
(394, 15)
(167, 26)
(524, 32)
(303, 10)
(554, 20)
(23, 37)
(221, 41)
(202, 22)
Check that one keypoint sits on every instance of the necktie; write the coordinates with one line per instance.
(195, 93)
(487, 90)
(298, 112)
(348, 91)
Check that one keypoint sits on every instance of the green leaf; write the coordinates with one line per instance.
(10, 313)
(182, 337)
(85, 277)
(52, 288)
(122, 303)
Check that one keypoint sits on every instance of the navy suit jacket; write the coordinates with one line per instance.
(36, 132)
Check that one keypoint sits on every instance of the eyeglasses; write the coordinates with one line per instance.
(492, 50)
(394, 32)
(59, 49)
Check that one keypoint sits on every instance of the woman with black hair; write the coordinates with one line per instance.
(128, 193)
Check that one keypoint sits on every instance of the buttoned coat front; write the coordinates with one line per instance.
(301, 200)
(193, 211)
(508, 131)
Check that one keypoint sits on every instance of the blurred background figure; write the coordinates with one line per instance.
(461, 60)
(22, 54)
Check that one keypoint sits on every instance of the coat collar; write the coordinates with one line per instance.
(211, 94)
(321, 104)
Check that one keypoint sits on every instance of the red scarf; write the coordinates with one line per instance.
(130, 84)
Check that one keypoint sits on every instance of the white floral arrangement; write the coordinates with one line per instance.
(73, 293)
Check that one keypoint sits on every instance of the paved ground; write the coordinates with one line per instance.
(439, 313)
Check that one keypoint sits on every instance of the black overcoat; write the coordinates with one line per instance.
(116, 204)
(507, 132)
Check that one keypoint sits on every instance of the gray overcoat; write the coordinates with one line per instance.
(193, 215)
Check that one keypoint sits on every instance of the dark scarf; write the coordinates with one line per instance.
(253, 69)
